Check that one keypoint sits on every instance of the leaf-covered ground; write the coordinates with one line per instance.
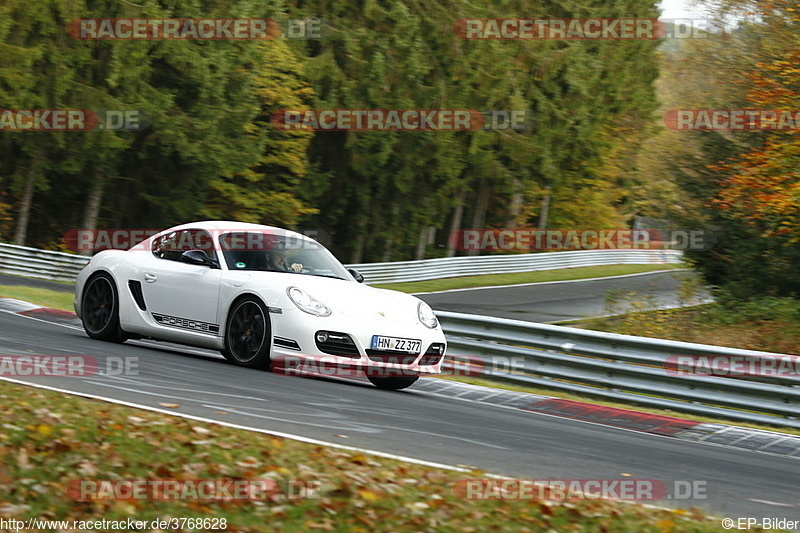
(48, 440)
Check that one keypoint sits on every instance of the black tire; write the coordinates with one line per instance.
(100, 309)
(394, 382)
(248, 334)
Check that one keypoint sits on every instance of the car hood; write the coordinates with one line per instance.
(355, 300)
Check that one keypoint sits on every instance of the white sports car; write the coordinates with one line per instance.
(264, 296)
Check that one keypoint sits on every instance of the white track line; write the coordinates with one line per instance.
(554, 282)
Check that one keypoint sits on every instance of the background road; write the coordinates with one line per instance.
(557, 301)
(416, 423)
(538, 302)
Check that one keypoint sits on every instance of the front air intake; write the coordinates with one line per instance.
(335, 343)
(433, 355)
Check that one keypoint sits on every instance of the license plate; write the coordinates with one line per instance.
(379, 342)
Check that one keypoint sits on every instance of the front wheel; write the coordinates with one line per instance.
(248, 334)
(100, 309)
(394, 382)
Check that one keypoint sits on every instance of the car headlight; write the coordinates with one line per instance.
(306, 302)
(426, 316)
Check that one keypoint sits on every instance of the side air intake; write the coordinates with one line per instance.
(136, 292)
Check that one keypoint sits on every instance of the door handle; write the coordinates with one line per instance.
(150, 278)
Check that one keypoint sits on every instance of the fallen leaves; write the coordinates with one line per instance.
(324, 525)
(87, 468)
(248, 463)
(353, 491)
(366, 494)
(22, 459)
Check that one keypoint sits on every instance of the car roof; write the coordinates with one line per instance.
(219, 226)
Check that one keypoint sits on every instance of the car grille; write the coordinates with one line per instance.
(433, 355)
(392, 356)
(336, 344)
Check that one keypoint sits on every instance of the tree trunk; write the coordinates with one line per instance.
(479, 216)
(515, 208)
(387, 250)
(545, 210)
(426, 236)
(21, 234)
(455, 222)
(358, 251)
(92, 211)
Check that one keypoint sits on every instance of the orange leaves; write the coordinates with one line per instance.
(367, 494)
(775, 83)
(763, 185)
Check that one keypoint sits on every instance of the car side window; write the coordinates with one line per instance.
(171, 246)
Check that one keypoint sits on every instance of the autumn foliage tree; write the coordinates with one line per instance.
(763, 186)
(748, 182)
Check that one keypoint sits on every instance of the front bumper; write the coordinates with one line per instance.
(348, 346)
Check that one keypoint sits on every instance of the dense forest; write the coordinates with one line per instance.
(597, 155)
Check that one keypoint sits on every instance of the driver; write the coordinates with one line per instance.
(276, 260)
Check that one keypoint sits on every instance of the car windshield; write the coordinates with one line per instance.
(273, 252)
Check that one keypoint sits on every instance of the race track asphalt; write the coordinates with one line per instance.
(566, 300)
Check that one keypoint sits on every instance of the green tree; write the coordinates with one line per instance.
(268, 191)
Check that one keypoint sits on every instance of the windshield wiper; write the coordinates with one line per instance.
(327, 276)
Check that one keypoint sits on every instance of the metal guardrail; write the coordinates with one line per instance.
(43, 264)
(632, 369)
(448, 267)
(58, 266)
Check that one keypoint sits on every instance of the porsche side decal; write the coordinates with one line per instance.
(186, 323)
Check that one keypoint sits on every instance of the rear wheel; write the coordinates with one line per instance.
(100, 309)
(394, 382)
(248, 334)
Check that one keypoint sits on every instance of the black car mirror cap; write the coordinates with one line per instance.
(356, 275)
(198, 257)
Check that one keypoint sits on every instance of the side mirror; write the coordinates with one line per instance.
(356, 275)
(198, 257)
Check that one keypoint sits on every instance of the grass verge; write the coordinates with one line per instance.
(43, 297)
(50, 440)
(764, 326)
(491, 280)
